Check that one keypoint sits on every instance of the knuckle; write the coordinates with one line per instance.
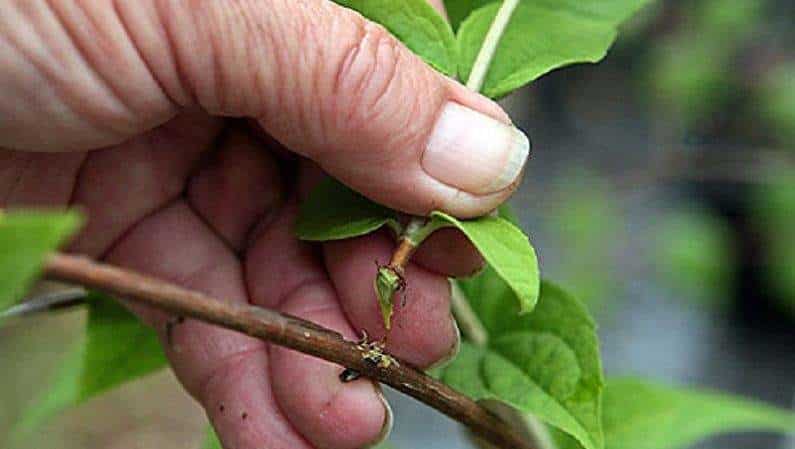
(366, 74)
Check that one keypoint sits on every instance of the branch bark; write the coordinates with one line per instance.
(283, 330)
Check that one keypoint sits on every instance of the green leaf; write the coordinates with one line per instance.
(334, 211)
(507, 250)
(417, 24)
(211, 441)
(545, 363)
(541, 36)
(642, 415)
(458, 10)
(25, 239)
(117, 348)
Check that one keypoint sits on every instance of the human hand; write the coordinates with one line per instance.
(123, 108)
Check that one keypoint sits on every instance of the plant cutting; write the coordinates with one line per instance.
(528, 374)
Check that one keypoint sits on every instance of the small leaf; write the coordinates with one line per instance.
(211, 441)
(545, 363)
(541, 36)
(334, 212)
(25, 239)
(417, 25)
(387, 282)
(507, 250)
(642, 415)
(117, 348)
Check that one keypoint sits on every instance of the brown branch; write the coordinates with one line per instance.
(287, 331)
(402, 255)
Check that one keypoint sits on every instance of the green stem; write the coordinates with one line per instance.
(420, 228)
(482, 62)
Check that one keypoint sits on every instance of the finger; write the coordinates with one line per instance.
(238, 186)
(449, 252)
(332, 414)
(322, 80)
(120, 185)
(31, 180)
(423, 330)
(226, 371)
(282, 272)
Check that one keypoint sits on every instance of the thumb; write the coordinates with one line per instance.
(345, 93)
(318, 77)
(399, 132)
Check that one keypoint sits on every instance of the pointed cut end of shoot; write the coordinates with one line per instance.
(387, 283)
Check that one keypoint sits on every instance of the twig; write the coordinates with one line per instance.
(284, 330)
(48, 302)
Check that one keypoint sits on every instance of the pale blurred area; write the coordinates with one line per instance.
(661, 191)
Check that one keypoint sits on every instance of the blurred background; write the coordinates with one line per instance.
(661, 192)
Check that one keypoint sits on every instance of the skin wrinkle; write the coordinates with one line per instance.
(228, 363)
(220, 23)
(166, 17)
(236, 147)
(389, 54)
(141, 57)
(125, 115)
(130, 229)
(360, 86)
(186, 95)
(49, 79)
(107, 49)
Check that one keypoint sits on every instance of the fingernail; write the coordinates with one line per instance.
(474, 152)
(389, 419)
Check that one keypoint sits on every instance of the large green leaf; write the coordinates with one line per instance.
(507, 250)
(542, 35)
(545, 363)
(334, 212)
(417, 25)
(642, 415)
(25, 239)
(117, 348)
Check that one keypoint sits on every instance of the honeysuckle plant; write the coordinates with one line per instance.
(530, 351)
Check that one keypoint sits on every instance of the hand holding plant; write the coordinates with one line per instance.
(173, 189)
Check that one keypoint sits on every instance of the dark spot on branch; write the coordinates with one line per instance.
(349, 375)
